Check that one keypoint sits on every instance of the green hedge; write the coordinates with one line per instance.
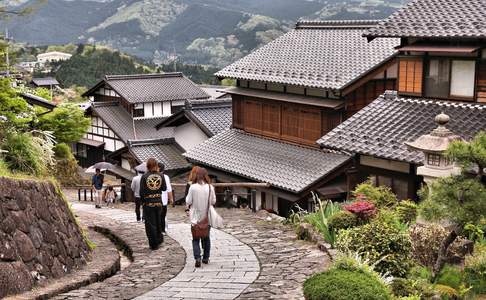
(344, 285)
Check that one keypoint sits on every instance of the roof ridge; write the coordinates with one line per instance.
(335, 24)
(208, 103)
(144, 76)
(146, 142)
(104, 103)
(470, 105)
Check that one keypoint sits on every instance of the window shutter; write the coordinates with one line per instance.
(411, 75)
(253, 116)
(311, 125)
(271, 119)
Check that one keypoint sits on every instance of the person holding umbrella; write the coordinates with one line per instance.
(152, 185)
(97, 184)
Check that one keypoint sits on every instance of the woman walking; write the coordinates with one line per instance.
(199, 199)
(152, 185)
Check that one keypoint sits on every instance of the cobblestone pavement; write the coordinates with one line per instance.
(285, 262)
(149, 268)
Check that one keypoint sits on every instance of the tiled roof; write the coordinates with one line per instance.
(285, 166)
(165, 151)
(382, 127)
(155, 87)
(120, 121)
(320, 54)
(36, 100)
(213, 115)
(45, 81)
(435, 18)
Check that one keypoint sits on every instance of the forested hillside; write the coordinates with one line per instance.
(208, 32)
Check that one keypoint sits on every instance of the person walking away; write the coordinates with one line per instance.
(152, 184)
(136, 194)
(199, 198)
(167, 197)
(110, 196)
(97, 185)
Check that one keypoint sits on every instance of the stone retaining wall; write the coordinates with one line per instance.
(39, 236)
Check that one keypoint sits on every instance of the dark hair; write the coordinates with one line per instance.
(97, 170)
(161, 167)
(202, 176)
(152, 165)
(110, 188)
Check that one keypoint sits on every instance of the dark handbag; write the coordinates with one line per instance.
(201, 229)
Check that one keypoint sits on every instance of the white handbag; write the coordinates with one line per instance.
(215, 220)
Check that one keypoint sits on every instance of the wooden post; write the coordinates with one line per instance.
(85, 199)
(79, 195)
(253, 200)
(91, 195)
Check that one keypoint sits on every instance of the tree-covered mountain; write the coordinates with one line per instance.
(214, 32)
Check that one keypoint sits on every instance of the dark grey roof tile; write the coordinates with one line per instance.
(286, 166)
(435, 19)
(320, 54)
(382, 127)
(155, 87)
(167, 152)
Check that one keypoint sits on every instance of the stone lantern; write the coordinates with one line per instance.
(434, 145)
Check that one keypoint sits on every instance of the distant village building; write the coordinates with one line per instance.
(442, 69)
(45, 82)
(52, 57)
(289, 93)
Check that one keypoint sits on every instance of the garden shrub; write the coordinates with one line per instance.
(320, 219)
(407, 211)
(381, 196)
(364, 210)
(23, 155)
(390, 217)
(402, 287)
(343, 220)
(345, 285)
(450, 276)
(381, 244)
(475, 269)
(62, 151)
(426, 241)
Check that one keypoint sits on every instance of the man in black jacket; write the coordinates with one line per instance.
(152, 185)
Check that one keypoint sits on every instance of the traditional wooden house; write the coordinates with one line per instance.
(124, 113)
(442, 68)
(288, 94)
(47, 82)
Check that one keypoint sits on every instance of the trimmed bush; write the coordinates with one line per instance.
(62, 151)
(381, 196)
(364, 210)
(344, 285)
(407, 211)
(450, 276)
(381, 244)
(402, 287)
(475, 269)
(343, 220)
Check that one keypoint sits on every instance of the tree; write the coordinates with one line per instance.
(470, 154)
(67, 122)
(43, 92)
(14, 110)
(457, 199)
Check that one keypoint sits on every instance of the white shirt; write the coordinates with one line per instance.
(165, 194)
(136, 185)
(198, 199)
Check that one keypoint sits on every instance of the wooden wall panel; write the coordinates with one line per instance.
(252, 116)
(481, 83)
(271, 119)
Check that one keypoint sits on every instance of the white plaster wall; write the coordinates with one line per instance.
(125, 164)
(189, 136)
(166, 111)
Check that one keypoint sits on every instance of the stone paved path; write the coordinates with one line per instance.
(233, 265)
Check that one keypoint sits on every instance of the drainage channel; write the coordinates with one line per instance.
(126, 253)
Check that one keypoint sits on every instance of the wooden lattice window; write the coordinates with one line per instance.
(253, 116)
(411, 75)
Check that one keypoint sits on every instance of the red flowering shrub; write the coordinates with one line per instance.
(362, 209)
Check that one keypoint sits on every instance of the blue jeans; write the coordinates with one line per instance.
(206, 245)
